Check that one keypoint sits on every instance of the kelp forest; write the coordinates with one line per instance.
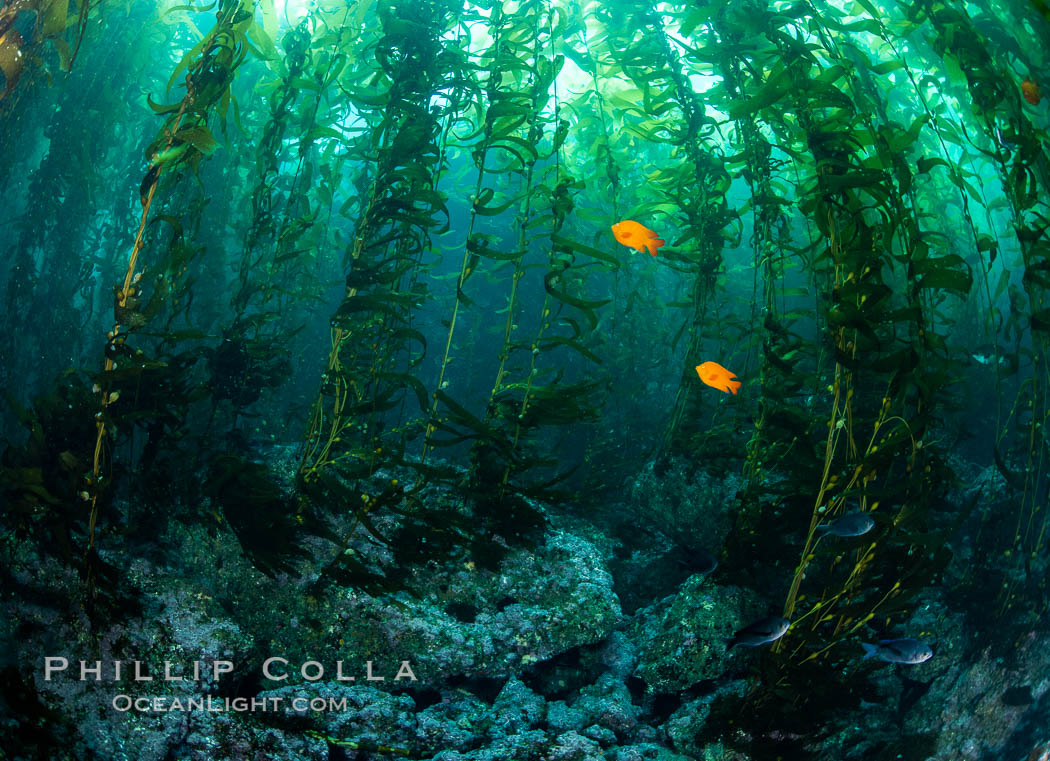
(309, 301)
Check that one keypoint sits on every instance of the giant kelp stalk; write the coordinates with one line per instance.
(882, 277)
(525, 397)
(909, 347)
(52, 262)
(270, 208)
(618, 129)
(516, 89)
(410, 79)
(183, 141)
(1022, 448)
(695, 186)
(371, 327)
(522, 407)
(502, 118)
(782, 423)
(509, 401)
(526, 40)
(63, 249)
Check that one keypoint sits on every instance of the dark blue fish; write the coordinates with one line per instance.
(852, 524)
(703, 562)
(905, 650)
(759, 633)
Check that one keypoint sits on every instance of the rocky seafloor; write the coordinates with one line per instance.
(538, 660)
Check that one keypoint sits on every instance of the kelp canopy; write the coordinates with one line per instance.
(379, 232)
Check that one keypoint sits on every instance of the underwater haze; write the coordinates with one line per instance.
(524, 380)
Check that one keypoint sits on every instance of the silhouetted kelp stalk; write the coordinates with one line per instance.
(184, 141)
(505, 110)
(391, 210)
(59, 188)
(371, 360)
(62, 238)
(462, 93)
(372, 324)
(524, 39)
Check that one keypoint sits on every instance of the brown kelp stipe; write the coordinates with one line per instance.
(210, 66)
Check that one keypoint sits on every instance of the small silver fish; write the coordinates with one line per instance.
(759, 633)
(1003, 140)
(907, 650)
(987, 359)
(852, 524)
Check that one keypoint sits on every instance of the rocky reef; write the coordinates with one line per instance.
(535, 660)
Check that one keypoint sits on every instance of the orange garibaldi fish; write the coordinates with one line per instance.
(1030, 91)
(716, 376)
(637, 236)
